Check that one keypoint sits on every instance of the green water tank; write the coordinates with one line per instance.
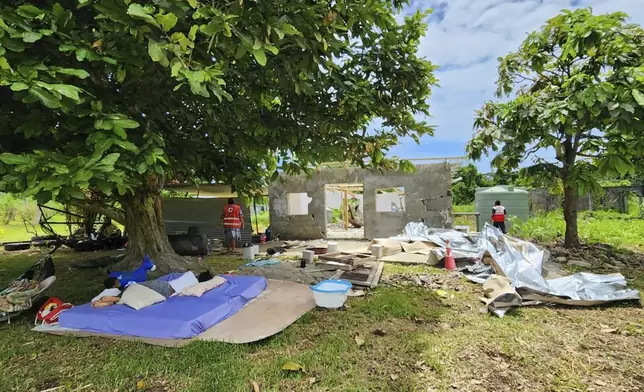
(515, 200)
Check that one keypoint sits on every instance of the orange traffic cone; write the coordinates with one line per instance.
(450, 263)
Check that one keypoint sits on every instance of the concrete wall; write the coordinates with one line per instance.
(180, 214)
(427, 198)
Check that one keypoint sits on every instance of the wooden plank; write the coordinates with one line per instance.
(378, 273)
(366, 276)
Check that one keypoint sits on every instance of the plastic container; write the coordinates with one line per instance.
(247, 254)
(377, 251)
(331, 293)
(332, 247)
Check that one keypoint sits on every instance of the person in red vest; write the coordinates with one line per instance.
(498, 215)
(233, 218)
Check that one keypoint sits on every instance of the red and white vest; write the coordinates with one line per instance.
(498, 214)
(232, 217)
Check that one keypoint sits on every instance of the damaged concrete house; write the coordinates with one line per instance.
(300, 205)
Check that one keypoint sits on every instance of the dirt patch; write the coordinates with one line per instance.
(430, 281)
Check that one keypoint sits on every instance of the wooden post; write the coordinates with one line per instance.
(346, 210)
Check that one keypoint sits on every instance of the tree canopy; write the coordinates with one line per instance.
(576, 87)
(464, 191)
(103, 101)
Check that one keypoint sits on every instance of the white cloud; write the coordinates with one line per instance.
(465, 38)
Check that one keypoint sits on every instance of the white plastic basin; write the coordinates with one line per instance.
(331, 294)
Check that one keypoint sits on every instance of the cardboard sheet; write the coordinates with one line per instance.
(280, 305)
(389, 246)
(414, 246)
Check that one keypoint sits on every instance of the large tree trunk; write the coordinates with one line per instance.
(570, 215)
(147, 235)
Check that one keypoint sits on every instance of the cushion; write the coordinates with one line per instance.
(138, 297)
(186, 280)
(197, 290)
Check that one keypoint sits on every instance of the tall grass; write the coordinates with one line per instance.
(622, 230)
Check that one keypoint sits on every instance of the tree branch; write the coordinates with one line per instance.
(588, 155)
(113, 213)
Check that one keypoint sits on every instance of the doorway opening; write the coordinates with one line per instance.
(344, 211)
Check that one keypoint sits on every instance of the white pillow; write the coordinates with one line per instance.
(138, 297)
(197, 290)
(186, 280)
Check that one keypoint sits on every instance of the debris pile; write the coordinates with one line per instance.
(432, 282)
(520, 264)
(596, 255)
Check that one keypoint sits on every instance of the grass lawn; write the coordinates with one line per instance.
(414, 340)
(14, 232)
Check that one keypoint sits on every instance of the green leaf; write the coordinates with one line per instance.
(260, 56)
(31, 37)
(19, 87)
(67, 90)
(80, 73)
(30, 12)
(639, 97)
(75, 193)
(121, 189)
(317, 36)
(141, 167)
(67, 48)
(127, 124)
(613, 106)
(83, 175)
(167, 21)
(139, 12)
(4, 64)
(622, 165)
(193, 32)
(110, 159)
(44, 96)
(628, 107)
(193, 3)
(240, 52)
(119, 131)
(279, 33)
(103, 145)
(257, 45)
(289, 29)
(105, 124)
(14, 159)
(81, 54)
(104, 186)
(157, 53)
(128, 146)
(271, 48)
(120, 75)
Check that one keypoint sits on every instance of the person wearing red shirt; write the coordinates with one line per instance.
(233, 219)
(498, 216)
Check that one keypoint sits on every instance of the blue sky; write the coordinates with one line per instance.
(465, 38)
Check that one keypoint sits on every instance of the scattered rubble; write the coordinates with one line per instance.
(596, 256)
(430, 281)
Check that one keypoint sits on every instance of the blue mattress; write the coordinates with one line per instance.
(178, 317)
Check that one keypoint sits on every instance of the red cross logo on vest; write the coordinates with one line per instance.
(232, 217)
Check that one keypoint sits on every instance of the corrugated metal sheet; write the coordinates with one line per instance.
(179, 214)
